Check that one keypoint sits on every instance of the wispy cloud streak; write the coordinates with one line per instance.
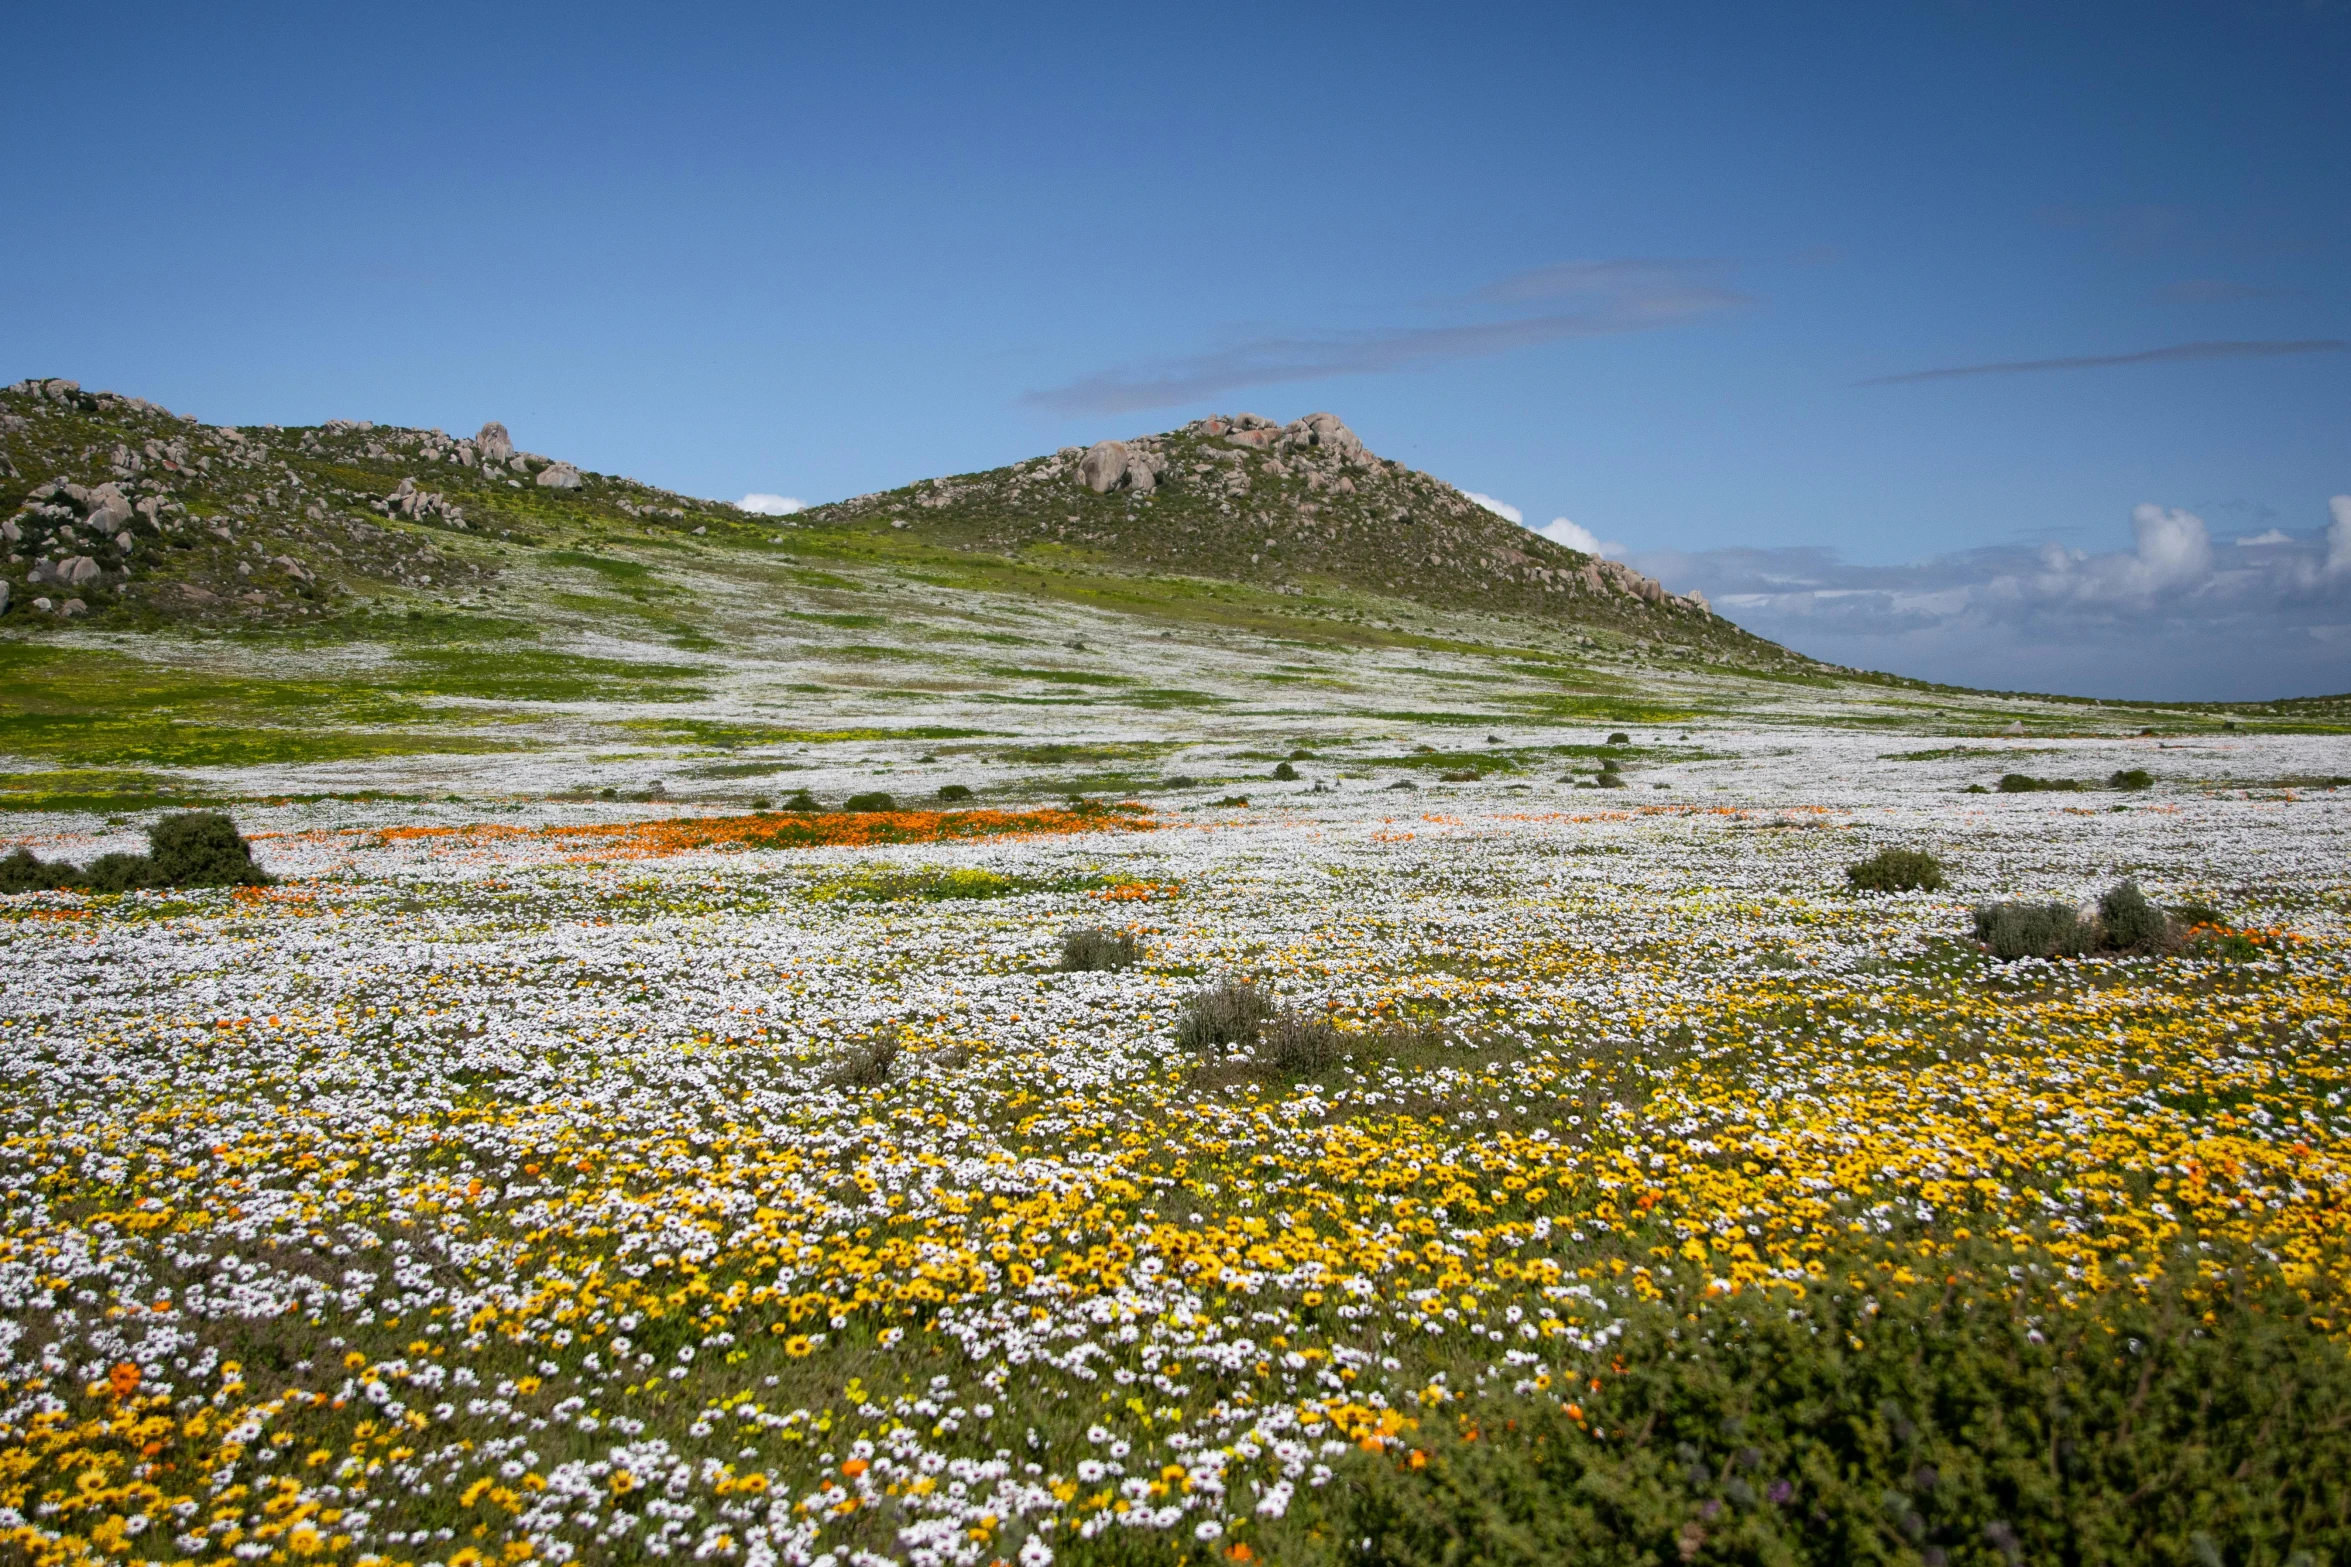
(1627, 296)
(2314, 345)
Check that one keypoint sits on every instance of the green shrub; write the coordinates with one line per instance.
(2023, 783)
(1971, 1421)
(1295, 1041)
(201, 849)
(1090, 949)
(954, 791)
(1896, 870)
(871, 800)
(2192, 914)
(1285, 772)
(802, 800)
(2132, 778)
(1229, 1013)
(122, 872)
(24, 871)
(867, 1063)
(2129, 922)
(1611, 780)
(2033, 930)
(1619, 737)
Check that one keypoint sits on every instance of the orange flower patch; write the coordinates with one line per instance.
(846, 829)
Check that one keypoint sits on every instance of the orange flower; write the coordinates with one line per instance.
(124, 1379)
(854, 1467)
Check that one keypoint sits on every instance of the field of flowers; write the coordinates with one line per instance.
(495, 1194)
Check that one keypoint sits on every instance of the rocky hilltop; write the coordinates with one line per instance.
(120, 511)
(1301, 504)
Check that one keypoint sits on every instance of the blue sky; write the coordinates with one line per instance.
(1659, 270)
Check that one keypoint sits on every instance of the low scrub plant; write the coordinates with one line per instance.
(871, 800)
(1285, 772)
(2124, 922)
(1974, 1421)
(1299, 1041)
(2131, 778)
(184, 849)
(1231, 1013)
(2025, 783)
(2033, 930)
(868, 1062)
(955, 791)
(1896, 870)
(1091, 949)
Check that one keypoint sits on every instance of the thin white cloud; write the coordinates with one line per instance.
(1498, 508)
(770, 505)
(2148, 356)
(1617, 297)
(2273, 536)
(2168, 617)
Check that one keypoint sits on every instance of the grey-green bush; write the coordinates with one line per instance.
(2130, 922)
(2033, 930)
(2132, 778)
(1896, 870)
(122, 872)
(1090, 949)
(1285, 772)
(1294, 1041)
(871, 800)
(954, 791)
(1229, 1013)
(867, 1063)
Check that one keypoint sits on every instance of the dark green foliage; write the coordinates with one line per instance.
(24, 871)
(802, 800)
(2023, 783)
(1611, 779)
(954, 791)
(1950, 1423)
(2033, 930)
(1090, 949)
(1620, 738)
(2197, 914)
(1229, 1013)
(1896, 870)
(184, 849)
(2130, 923)
(121, 872)
(201, 849)
(871, 800)
(1285, 772)
(1295, 1041)
(2132, 778)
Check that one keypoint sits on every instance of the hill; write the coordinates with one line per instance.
(126, 513)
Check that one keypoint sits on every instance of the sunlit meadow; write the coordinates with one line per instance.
(497, 1194)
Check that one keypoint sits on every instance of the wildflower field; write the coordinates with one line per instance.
(497, 1193)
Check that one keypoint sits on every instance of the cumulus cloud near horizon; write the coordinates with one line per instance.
(770, 505)
(2169, 617)
(1578, 537)
(1499, 508)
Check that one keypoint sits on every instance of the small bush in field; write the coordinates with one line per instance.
(121, 872)
(1285, 772)
(871, 800)
(1229, 1013)
(1295, 1041)
(2129, 923)
(25, 871)
(1896, 870)
(2132, 778)
(2033, 930)
(868, 1062)
(200, 849)
(954, 791)
(1091, 949)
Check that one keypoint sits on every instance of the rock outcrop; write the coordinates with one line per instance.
(494, 444)
(559, 476)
